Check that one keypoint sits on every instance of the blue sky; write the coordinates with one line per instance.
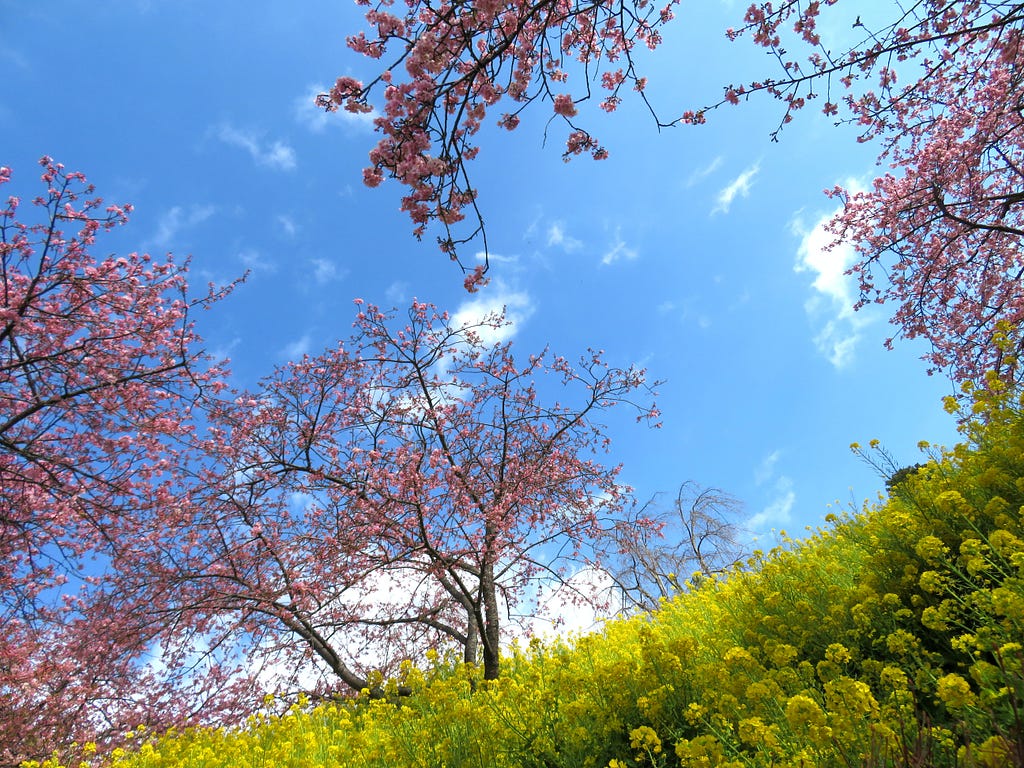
(693, 251)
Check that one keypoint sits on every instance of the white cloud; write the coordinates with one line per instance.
(491, 299)
(316, 119)
(702, 173)
(740, 186)
(288, 225)
(224, 350)
(255, 261)
(397, 292)
(829, 264)
(177, 219)
(558, 238)
(326, 271)
(494, 258)
(398, 589)
(275, 154)
(778, 510)
(618, 250)
(831, 305)
(296, 349)
(279, 155)
(766, 468)
(836, 344)
(578, 605)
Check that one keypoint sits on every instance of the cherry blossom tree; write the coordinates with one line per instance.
(399, 492)
(99, 373)
(936, 83)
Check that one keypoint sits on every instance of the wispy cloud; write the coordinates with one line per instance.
(397, 293)
(778, 510)
(317, 119)
(558, 238)
(702, 173)
(274, 154)
(618, 250)
(685, 310)
(518, 307)
(766, 468)
(495, 258)
(256, 261)
(326, 271)
(294, 350)
(177, 219)
(223, 351)
(740, 187)
(288, 225)
(831, 305)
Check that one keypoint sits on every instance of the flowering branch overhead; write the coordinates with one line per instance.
(452, 62)
(936, 83)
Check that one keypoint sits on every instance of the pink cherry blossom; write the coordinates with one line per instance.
(450, 64)
(101, 375)
(564, 105)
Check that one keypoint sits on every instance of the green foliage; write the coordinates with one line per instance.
(892, 638)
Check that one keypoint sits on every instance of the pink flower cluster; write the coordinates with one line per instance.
(459, 60)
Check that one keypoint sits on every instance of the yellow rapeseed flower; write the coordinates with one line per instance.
(837, 653)
(931, 549)
(955, 692)
(644, 738)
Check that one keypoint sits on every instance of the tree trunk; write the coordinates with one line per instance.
(471, 650)
(492, 627)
